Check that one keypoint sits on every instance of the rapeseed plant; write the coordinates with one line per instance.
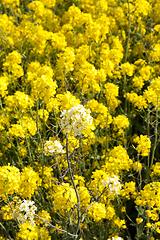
(79, 119)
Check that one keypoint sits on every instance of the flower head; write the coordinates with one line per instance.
(77, 119)
(51, 147)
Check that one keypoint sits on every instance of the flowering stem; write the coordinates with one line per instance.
(148, 233)
(9, 139)
(129, 31)
(75, 188)
(123, 134)
(29, 149)
(3, 227)
(156, 137)
(54, 226)
(148, 123)
(94, 201)
(124, 86)
(40, 139)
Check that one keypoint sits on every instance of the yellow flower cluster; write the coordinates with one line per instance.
(144, 145)
(12, 181)
(120, 123)
(149, 199)
(12, 65)
(9, 179)
(102, 117)
(118, 160)
(156, 169)
(4, 81)
(111, 94)
(41, 80)
(138, 101)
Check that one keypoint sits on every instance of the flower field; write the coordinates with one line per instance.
(79, 119)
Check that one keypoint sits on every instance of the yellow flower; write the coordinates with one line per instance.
(144, 145)
(137, 166)
(9, 180)
(139, 220)
(111, 94)
(127, 69)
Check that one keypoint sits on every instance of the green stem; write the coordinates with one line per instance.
(139, 173)
(29, 149)
(41, 142)
(123, 133)
(7, 136)
(148, 233)
(148, 132)
(156, 136)
(75, 188)
(124, 87)
(129, 32)
(107, 144)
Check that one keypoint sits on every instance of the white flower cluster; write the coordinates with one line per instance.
(51, 147)
(24, 211)
(76, 119)
(113, 184)
(117, 238)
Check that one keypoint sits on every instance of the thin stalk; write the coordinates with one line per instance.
(107, 144)
(129, 32)
(40, 139)
(156, 136)
(148, 233)
(75, 188)
(148, 132)
(59, 168)
(94, 201)
(124, 87)
(139, 173)
(29, 149)
(54, 226)
(123, 134)
(7, 231)
(7, 136)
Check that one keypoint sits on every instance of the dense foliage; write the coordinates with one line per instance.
(79, 119)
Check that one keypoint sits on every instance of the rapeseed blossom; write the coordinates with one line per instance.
(111, 94)
(115, 238)
(156, 169)
(51, 147)
(120, 122)
(97, 211)
(24, 211)
(77, 120)
(127, 69)
(103, 116)
(137, 100)
(4, 82)
(12, 64)
(144, 145)
(9, 180)
(113, 184)
(117, 160)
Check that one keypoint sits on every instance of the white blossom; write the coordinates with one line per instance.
(76, 119)
(24, 211)
(115, 238)
(113, 184)
(51, 147)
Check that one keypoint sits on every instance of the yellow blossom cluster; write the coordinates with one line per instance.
(144, 145)
(24, 183)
